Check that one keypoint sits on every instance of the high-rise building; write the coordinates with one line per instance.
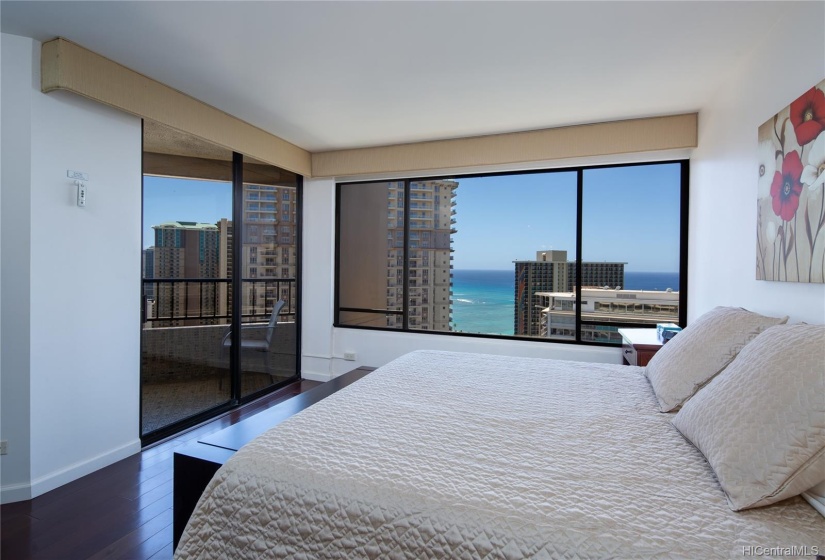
(225, 233)
(431, 217)
(186, 250)
(269, 252)
(552, 272)
(148, 264)
(202, 251)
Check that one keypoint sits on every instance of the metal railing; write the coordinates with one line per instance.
(181, 300)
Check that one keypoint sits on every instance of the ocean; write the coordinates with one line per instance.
(483, 299)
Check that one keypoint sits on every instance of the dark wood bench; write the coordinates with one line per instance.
(196, 463)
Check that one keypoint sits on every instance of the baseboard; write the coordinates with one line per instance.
(316, 368)
(324, 368)
(43, 484)
(15, 493)
(316, 376)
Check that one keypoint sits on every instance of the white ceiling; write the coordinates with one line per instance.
(331, 75)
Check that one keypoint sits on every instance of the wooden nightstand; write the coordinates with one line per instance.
(639, 345)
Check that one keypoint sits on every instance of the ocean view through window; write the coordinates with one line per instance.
(483, 299)
(565, 255)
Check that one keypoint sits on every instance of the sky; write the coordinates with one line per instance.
(183, 200)
(631, 214)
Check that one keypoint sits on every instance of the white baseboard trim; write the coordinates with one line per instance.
(316, 376)
(325, 368)
(316, 368)
(41, 485)
(15, 493)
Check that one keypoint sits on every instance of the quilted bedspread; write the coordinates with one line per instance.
(453, 455)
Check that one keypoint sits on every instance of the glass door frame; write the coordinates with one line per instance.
(235, 359)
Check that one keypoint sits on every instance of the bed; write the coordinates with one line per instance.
(455, 455)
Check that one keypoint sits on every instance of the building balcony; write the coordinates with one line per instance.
(421, 216)
(184, 366)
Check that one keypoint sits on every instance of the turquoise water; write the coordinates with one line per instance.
(483, 300)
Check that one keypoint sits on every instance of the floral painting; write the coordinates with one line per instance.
(790, 237)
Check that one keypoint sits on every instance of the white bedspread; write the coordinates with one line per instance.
(452, 455)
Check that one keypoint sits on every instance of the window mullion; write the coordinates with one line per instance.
(683, 242)
(237, 280)
(405, 305)
(579, 216)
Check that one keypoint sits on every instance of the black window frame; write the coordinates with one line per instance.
(684, 213)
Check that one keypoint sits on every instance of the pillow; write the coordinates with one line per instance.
(761, 422)
(703, 349)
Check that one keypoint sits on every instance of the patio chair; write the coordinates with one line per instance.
(259, 345)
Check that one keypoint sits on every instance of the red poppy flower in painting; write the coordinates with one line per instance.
(808, 115)
(787, 187)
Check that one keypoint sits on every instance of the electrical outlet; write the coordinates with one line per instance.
(4, 447)
(349, 356)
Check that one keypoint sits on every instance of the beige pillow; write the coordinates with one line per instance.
(703, 349)
(761, 422)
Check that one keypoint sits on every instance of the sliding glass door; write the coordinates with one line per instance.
(194, 362)
(184, 369)
(269, 269)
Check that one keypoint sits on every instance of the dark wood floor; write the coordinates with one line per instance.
(121, 511)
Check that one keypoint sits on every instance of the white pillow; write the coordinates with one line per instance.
(761, 422)
(703, 349)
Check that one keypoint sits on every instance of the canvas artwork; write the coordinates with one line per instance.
(790, 237)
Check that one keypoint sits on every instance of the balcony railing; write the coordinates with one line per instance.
(182, 300)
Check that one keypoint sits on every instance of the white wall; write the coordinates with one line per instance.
(724, 172)
(83, 264)
(15, 248)
(318, 249)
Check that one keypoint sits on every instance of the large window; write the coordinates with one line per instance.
(563, 255)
